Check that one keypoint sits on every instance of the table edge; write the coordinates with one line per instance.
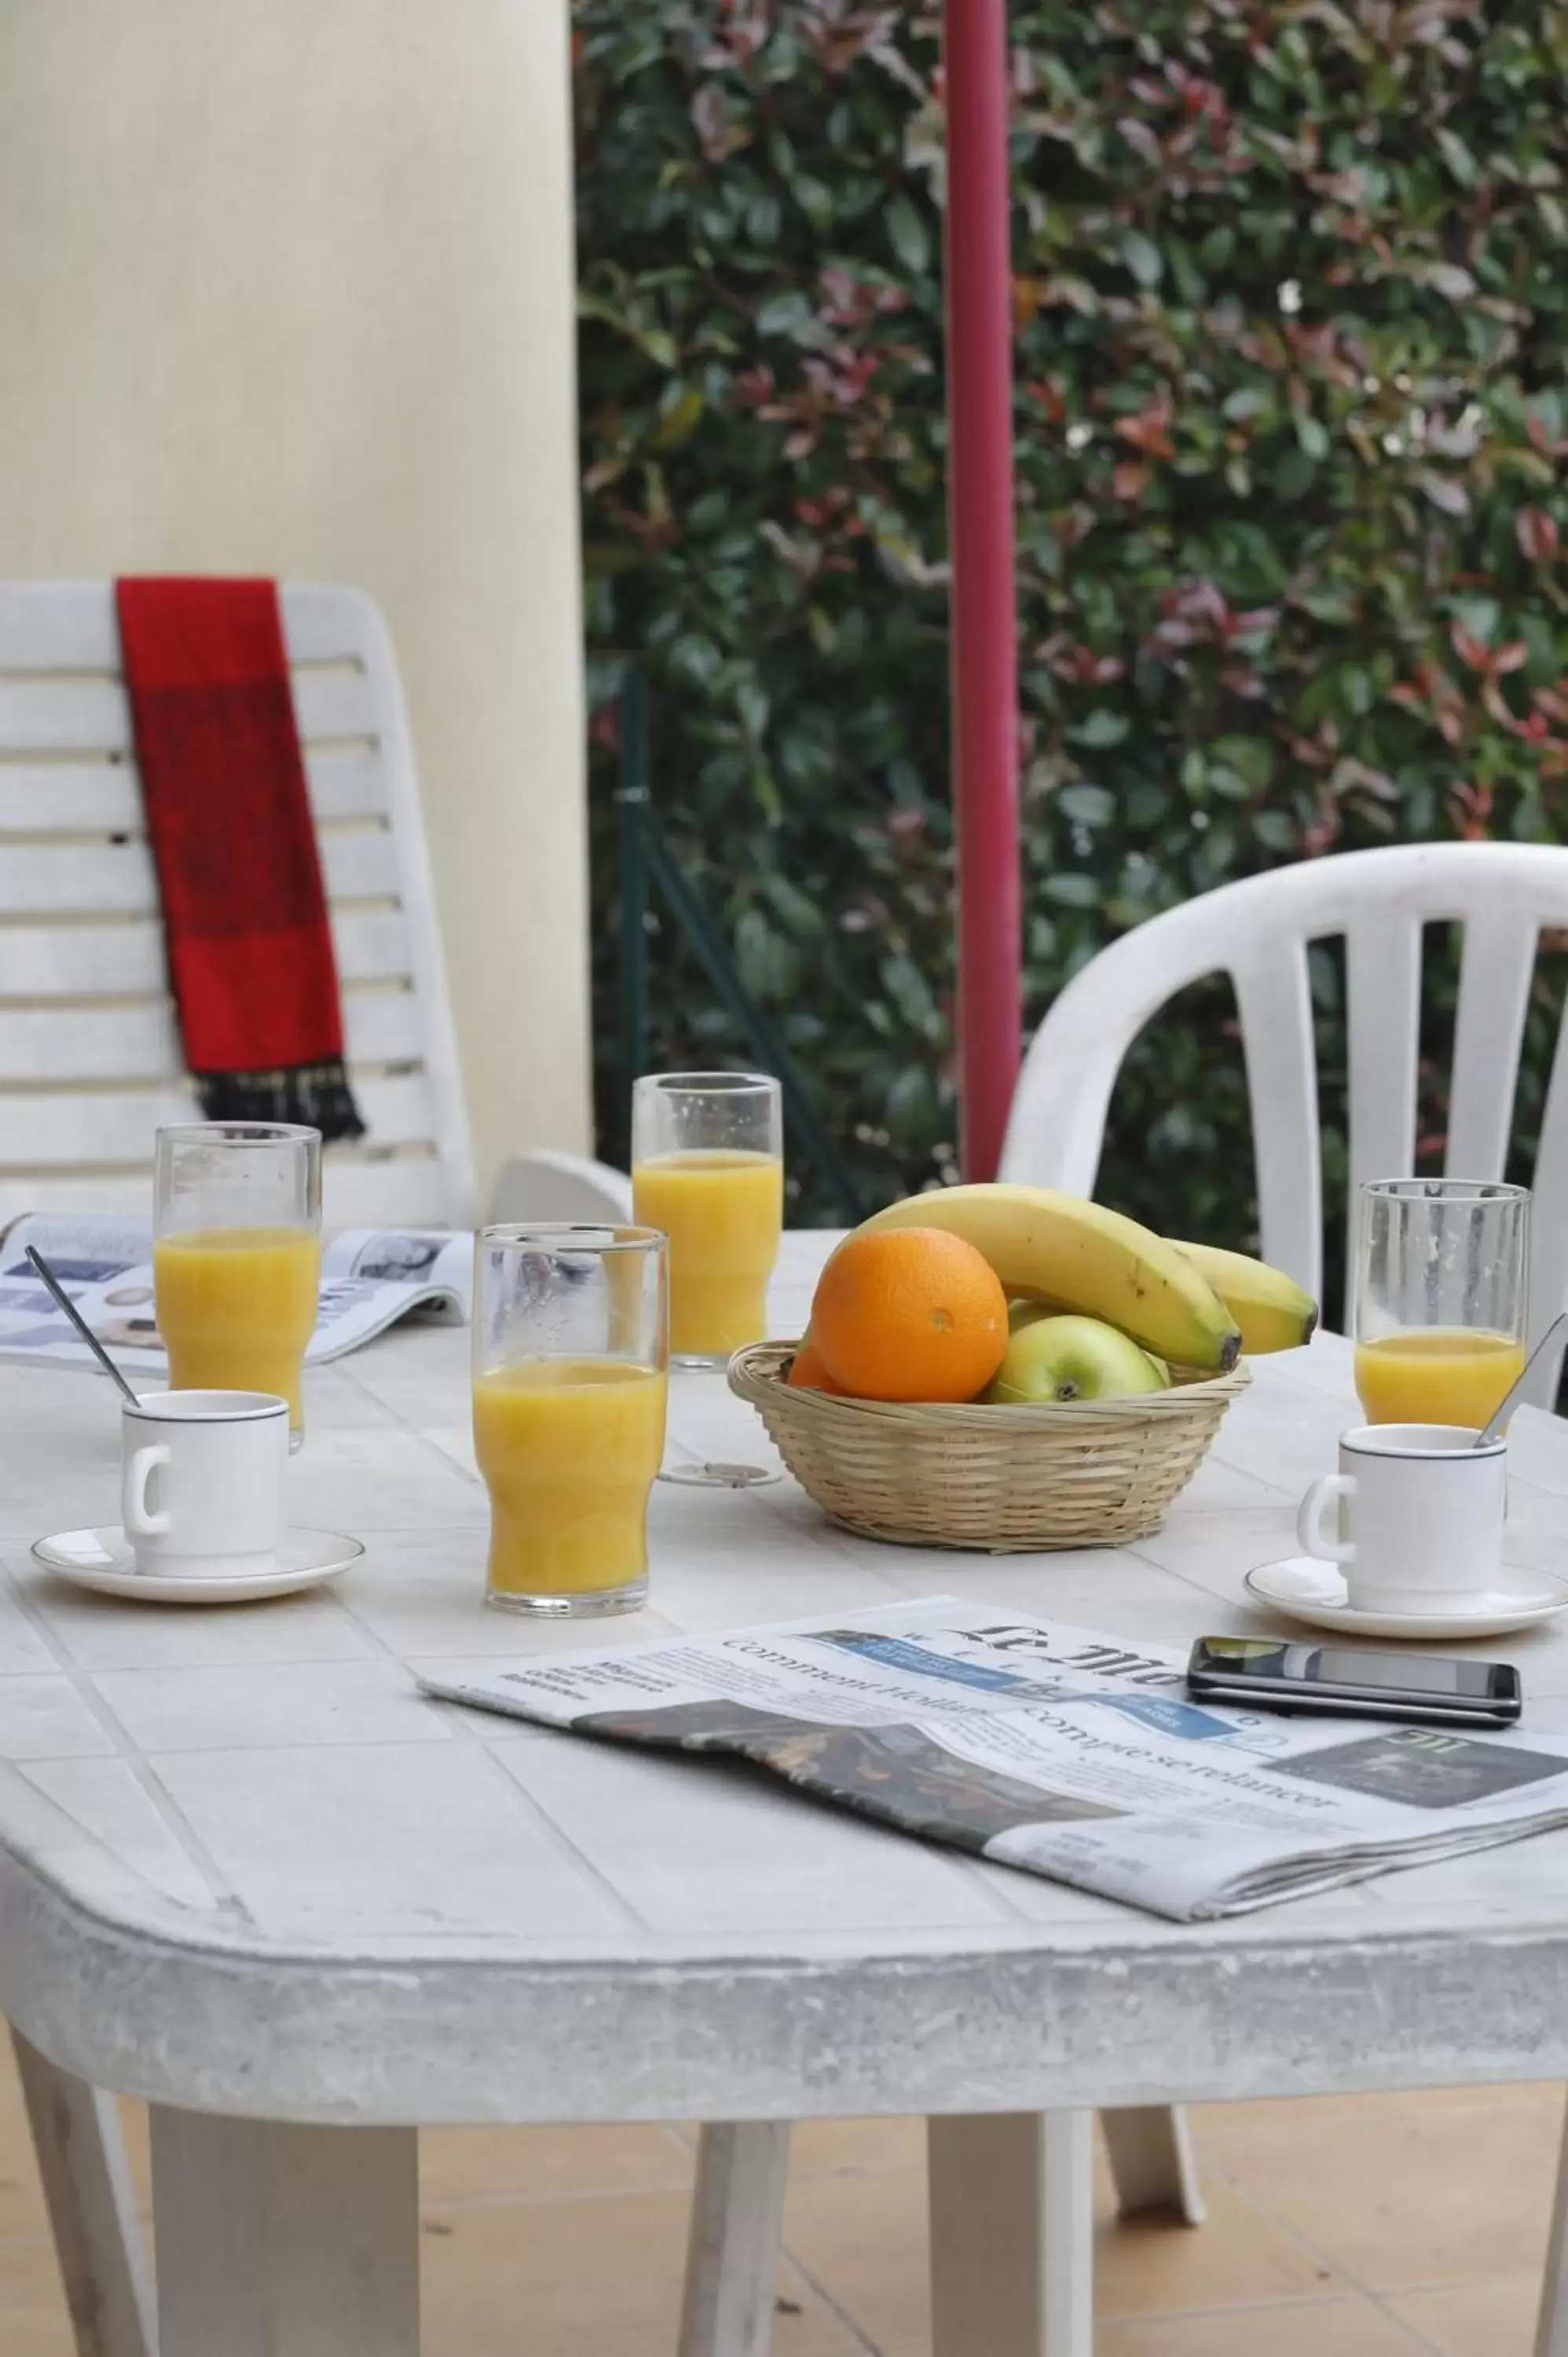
(221, 2024)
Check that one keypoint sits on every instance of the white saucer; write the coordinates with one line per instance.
(102, 1560)
(1313, 1591)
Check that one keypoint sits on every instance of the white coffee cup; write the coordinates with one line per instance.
(204, 1482)
(1421, 1513)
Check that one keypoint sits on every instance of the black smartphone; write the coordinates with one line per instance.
(1270, 1673)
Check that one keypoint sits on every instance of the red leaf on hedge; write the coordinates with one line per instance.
(717, 135)
(1130, 479)
(745, 29)
(1541, 436)
(1149, 431)
(1472, 808)
(1322, 833)
(1536, 534)
(1050, 398)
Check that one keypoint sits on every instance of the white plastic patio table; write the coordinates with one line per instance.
(247, 1872)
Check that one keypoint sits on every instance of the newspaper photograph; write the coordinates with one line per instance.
(370, 1278)
(1050, 1748)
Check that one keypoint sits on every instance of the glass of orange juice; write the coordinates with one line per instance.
(237, 1255)
(707, 1166)
(1441, 1298)
(571, 1353)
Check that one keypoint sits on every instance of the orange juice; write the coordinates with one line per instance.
(1436, 1375)
(236, 1307)
(723, 1214)
(568, 1449)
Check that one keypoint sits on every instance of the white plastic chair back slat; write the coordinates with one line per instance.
(1549, 1226)
(1504, 895)
(383, 1028)
(81, 961)
(86, 714)
(50, 626)
(105, 798)
(1273, 999)
(90, 1060)
(1382, 983)
(45, 1127)
(117, 879)
(1495, 973)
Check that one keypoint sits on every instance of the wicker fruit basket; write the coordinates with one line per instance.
(1005, 1479)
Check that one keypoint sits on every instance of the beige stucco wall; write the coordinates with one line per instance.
(286, 285)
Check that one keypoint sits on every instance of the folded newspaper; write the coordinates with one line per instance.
(370, 1278)
(1047, 1747)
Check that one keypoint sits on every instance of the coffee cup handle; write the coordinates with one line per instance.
(1313, 1538)
(139, 1524)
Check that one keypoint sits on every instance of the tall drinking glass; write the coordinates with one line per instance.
(707, 1166)
(237, 1255)
(570, 1357)
(1441, 1297)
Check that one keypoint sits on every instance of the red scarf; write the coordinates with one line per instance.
(248, 944)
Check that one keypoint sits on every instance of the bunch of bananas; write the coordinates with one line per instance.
(1190, 1303)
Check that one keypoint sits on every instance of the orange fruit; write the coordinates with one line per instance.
(807, 1373)
(909, 1314)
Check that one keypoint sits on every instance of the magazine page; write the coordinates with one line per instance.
(105, 1265)
(1051, 1748)
(370, 1278)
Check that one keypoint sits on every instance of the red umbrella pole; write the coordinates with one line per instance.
(984, 626)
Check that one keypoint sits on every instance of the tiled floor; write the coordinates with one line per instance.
(1363, 2227)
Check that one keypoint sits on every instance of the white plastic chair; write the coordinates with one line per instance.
(89, 1062)
(548, 1185)
(90, 1067)
(1258, 931)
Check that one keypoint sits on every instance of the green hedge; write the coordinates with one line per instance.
(1291, 408)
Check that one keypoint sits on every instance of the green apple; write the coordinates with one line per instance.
(1073, 1358)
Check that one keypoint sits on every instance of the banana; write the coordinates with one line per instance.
(1080, 1256)
(1270, 1307)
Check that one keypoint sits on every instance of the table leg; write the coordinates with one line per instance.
(738, 2214)
(1552, 2325)
(1012, 2211)
(279, 2241)
(87, 2187)
(1150, 2149)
